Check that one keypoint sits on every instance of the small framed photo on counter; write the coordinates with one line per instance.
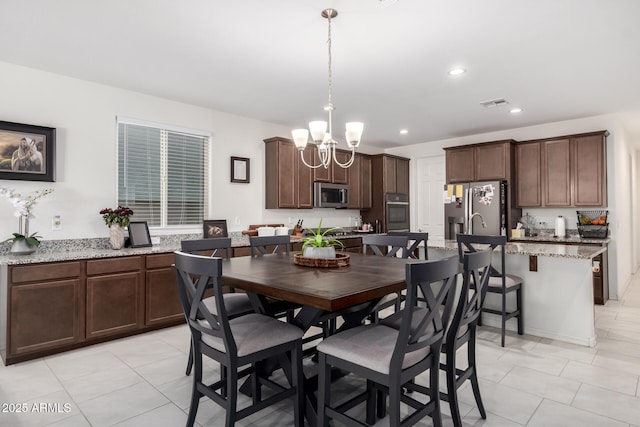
(139, 236)
(214, 228)
(240, 169)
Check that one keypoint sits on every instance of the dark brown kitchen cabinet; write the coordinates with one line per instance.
(480, 162)
(528, 175)
(460, 164)
(588, 171)
(45, 308)
(601, 278)
(352, 244)
(115, 296)
(572, 171)
(556, 170)
(494, 161)
(389, 174)
(288, 183)
(161, 292)
(58, 306)
(333, 173)
(360, 183)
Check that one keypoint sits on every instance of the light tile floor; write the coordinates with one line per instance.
(140, 381)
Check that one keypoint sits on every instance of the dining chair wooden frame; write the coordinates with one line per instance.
(390, 246)
(416, 239)
(395, 356)
(238, 304)
(235, 343)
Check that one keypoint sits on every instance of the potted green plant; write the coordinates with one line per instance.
(22, 242)
(318, 245)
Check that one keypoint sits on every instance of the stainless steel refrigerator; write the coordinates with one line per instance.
(475, 208)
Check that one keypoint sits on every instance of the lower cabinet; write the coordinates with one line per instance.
(161, 292)
(45, 316)
(58, 306)
(601, 279)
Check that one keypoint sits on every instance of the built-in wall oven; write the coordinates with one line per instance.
(397, 212)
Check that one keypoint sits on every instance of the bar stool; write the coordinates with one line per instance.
(499, 282)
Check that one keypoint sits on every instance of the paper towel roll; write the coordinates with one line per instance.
(560, 227)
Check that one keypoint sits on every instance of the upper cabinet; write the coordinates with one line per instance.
(567, 171)
(480, 162)
(390, 173)
(334, 173)
(589, 170)
(360, 183)
(288, 182)
(528, 172)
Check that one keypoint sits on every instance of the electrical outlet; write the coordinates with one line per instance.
(56, 223)
(237, 220)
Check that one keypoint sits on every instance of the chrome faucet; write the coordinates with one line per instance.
(473, 215)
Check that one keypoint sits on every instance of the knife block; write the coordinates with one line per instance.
(297, 231)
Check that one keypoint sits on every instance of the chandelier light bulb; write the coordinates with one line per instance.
(300, 137)
(353, 133)
(318, 130)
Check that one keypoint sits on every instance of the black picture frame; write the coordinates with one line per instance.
(139, 236)
(240, 169)
(27, 152)
(212, 228)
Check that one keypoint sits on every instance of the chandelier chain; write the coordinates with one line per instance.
(330, 76)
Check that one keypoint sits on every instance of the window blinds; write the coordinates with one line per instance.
(162, 174)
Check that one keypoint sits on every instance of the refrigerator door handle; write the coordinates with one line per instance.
(468, 209)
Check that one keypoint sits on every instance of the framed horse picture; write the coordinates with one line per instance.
(214, 228)
(27, 152)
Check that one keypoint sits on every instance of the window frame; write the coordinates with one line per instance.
(163, 127)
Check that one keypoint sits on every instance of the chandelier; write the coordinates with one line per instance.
(319, 135)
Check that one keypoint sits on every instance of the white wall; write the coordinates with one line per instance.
(622, 166)
(84, 115)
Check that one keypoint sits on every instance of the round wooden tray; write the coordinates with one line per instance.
(341, 260)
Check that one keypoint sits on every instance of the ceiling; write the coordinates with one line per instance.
(557, 60)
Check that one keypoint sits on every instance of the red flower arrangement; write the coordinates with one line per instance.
(119, 216)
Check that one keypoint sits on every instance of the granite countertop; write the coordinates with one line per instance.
(71, 250)
(570, 239)
(559, 250)
(78, 249)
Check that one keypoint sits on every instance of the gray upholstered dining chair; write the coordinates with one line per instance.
(415, 241)
(388, 357)
(264, 245)
(460, 329)
(237, 304)
(391, 246)
(235, 343)
(500, 282)
(382, 245)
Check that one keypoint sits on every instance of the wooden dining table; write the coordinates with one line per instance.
(318, 291)
(350, 292)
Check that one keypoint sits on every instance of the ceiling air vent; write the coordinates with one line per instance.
(494, 103)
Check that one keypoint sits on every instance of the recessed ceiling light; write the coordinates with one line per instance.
(404, 132)
(457, 71)
(515, 110)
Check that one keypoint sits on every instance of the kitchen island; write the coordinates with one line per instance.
(557, 288)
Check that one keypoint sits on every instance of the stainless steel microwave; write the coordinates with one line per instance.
(327, 195)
